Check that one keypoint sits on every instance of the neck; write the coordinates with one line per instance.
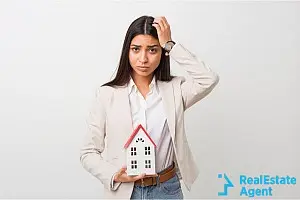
(142, 81)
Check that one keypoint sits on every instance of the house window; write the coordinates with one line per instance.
(147, 151)
(147, 163)
(133, 164)
(133, 151)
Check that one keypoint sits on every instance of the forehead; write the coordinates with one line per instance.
(144, 40)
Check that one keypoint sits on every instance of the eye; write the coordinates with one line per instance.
(153, 50)
(135, 49)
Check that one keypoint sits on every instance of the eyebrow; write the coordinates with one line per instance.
(155, 45)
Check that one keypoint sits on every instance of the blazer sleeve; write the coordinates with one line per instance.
(91, 156)
(201, 79)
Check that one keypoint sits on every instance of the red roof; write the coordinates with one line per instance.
(134, 133)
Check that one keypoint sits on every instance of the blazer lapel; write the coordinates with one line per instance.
(166, 91)
(123, 113)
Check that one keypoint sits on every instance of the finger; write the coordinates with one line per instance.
(165, 22)
(156, 25)
(139, 176)
(159, 21)
(121, 171)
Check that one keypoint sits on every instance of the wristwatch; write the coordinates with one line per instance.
(168, 46)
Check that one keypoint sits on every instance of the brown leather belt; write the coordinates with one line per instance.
(163, 176)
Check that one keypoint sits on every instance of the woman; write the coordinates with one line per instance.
(144, 92)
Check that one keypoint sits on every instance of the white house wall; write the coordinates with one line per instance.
(140, 157)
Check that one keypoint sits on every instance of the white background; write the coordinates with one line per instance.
(54, 54)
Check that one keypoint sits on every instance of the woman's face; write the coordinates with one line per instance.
(144, 55)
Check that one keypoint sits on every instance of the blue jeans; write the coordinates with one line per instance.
(169, 189)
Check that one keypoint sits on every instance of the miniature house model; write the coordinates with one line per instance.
(140, 152)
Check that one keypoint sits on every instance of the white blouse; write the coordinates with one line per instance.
(149, 112)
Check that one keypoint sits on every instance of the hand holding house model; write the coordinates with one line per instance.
(140, 153)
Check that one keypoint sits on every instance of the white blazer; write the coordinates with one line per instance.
(110, 123)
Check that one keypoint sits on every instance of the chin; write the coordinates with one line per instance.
(145, 74)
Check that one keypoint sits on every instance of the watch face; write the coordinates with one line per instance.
(168, 46)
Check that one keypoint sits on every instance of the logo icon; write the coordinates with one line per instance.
(226, 185)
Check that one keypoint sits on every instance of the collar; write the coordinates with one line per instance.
(132, 86)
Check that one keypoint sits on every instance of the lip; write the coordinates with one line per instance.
(143, 67)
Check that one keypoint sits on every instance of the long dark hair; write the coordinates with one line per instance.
(142, 25)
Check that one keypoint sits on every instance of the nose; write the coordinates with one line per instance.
(143, 57)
